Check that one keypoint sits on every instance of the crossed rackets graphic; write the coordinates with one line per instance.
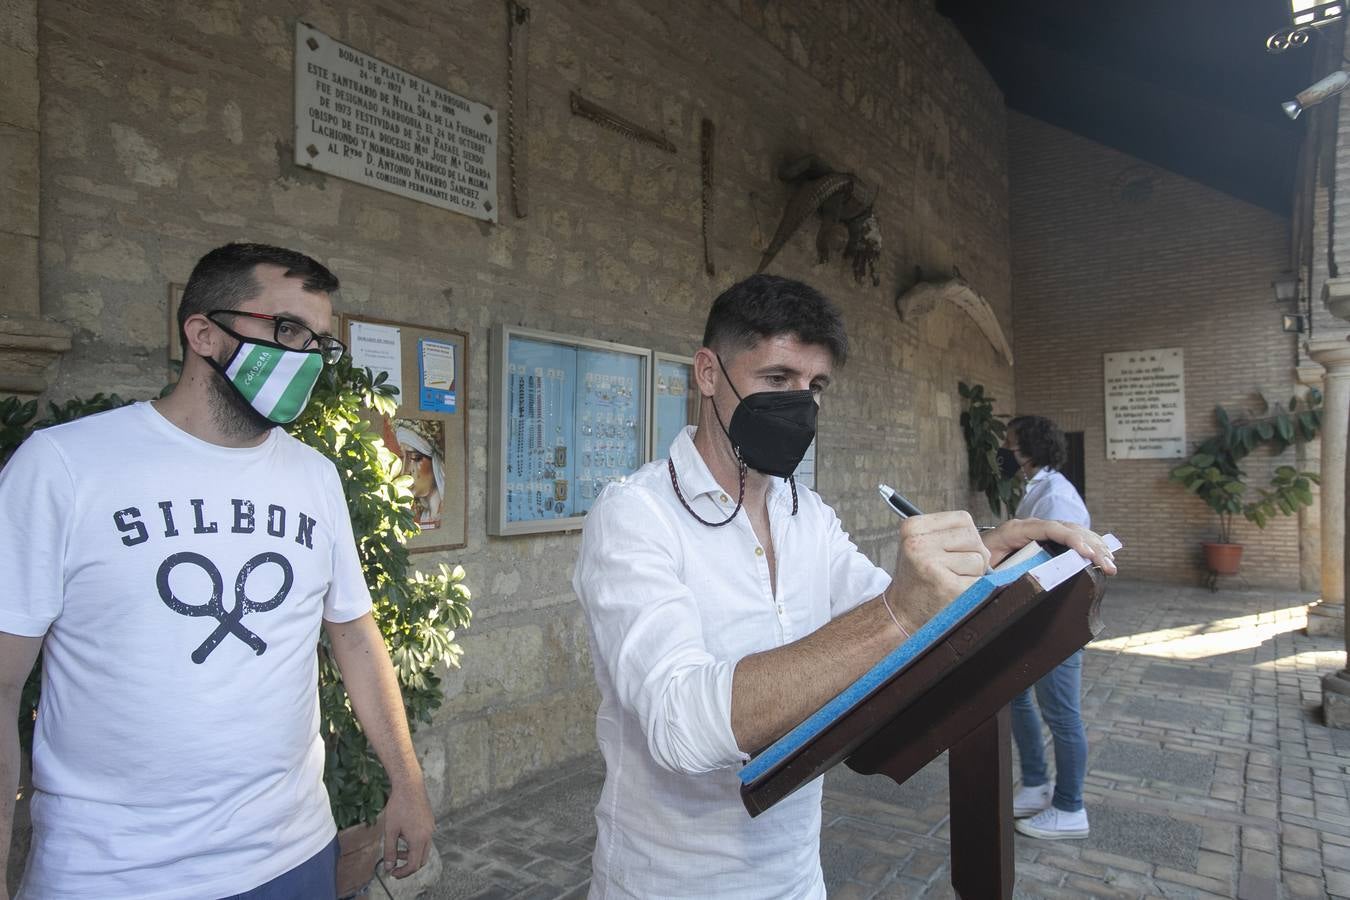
(227, 622)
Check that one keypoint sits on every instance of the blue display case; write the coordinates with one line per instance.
(675, 400)
(569, 416)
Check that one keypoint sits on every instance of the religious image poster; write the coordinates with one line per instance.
(420, 446)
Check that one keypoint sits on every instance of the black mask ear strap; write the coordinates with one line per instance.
(674, 482)
(725, 373)
(723, 425)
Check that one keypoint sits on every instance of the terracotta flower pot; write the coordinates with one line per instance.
(360, 847)
(1223, 559)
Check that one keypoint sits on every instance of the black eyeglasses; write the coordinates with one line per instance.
(290, 334)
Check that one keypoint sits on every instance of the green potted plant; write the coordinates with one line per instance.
(984, 432)
(1214, 475)
(417, 612)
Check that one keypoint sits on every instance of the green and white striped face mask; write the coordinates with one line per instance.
(275, 380)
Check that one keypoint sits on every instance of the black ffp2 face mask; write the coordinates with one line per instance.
(771, 430)
(1008, 465)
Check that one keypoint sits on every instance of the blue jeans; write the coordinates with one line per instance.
(313, 879)
(1059, 694)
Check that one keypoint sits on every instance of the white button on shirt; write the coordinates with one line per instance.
(673, 605)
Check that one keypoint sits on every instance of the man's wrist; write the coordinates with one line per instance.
(886, 605)
(409, 783)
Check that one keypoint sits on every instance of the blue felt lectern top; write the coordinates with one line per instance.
(933, 631)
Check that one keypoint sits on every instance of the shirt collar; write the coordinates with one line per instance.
(696, 479)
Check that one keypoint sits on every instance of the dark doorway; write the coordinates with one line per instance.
(1073, 465)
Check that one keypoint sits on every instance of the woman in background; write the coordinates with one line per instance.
(1034, 449)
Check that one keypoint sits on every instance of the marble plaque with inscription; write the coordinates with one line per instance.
(1145, 404)
(373, 123)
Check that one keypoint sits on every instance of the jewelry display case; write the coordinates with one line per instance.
(569, 415)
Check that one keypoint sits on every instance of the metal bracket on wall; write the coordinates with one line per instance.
(626, 127)
(706, 160)
(517, 94)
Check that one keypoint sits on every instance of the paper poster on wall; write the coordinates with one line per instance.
(1145, 404)
(380, 349)
(436, 370)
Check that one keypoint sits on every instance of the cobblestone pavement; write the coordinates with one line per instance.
(1210, 775)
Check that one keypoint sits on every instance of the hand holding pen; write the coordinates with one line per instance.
(897, 502)
(904, 509)
(1075, 537)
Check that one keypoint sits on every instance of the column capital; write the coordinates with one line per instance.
(1336, 297)
(1309, 374)
(1332, 355)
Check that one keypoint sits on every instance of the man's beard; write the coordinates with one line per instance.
(232, 413)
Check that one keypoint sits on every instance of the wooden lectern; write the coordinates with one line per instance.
(947, 688)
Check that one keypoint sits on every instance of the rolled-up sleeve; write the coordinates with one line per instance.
(854, 579)
(648, 634)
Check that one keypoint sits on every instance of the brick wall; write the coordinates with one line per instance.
(166, 130)
(1111, 254)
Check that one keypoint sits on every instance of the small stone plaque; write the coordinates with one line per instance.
(1192, 770)
(1172, 712)
(373, 123)
(1150, 838)
(1214, 680)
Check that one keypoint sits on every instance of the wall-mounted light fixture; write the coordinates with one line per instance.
(1328, 87)
(1303, 13)
(1285, 287)
(1293, 323)
(1304, 16)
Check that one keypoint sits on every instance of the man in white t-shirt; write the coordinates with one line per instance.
(726, 604)
(174, 561)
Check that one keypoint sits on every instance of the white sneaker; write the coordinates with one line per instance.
(1055, 824)
(1030, 800)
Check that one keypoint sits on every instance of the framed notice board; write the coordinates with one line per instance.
(429, 431)
(569, 416)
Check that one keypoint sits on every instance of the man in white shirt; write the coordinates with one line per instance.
(1034, 449)
(726, 604)
(174, 561)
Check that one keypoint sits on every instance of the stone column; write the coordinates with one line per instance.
(1309, 455)
(1335, 358)
(28, 344)
(1327, 615)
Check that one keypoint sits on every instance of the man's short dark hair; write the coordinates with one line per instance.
(764, 306)
(1040, 440)
(223, 278)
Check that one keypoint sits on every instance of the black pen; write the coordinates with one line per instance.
(904, 509)
(897, 502)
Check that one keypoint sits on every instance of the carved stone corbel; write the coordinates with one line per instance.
(926, 296)
(28, 347)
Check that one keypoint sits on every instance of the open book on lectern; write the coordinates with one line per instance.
(1044, 570)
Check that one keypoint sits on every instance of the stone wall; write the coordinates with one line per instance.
(166, 130)
(1110, 255)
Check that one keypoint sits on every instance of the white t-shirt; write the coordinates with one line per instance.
(672, 606)
(177, 751)
(1049, 495)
